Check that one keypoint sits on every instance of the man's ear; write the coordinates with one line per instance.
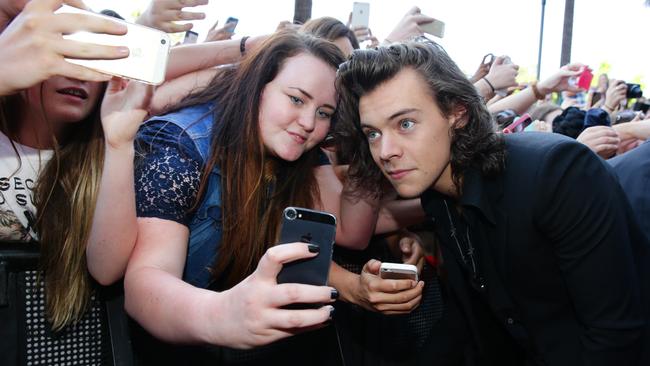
(458, 117)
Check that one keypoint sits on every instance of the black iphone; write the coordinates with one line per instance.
(308, 226)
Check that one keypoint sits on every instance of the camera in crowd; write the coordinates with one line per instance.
(633, 91)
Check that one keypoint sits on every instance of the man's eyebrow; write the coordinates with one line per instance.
(402, 112)
(310, 97)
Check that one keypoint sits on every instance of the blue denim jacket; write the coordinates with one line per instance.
(206, 222)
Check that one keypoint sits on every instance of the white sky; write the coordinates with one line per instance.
(616, 32)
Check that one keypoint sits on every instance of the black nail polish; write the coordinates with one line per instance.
(334, 295)
(332, 312)
(313, 248)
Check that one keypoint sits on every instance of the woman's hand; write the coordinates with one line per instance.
(124, 107)
(163, 15)
(559, 81)
(33, 47)
(252, 314)
(219, 34)
(409, 26)
(615, 95)
(386, 296)
(503, 73)
(603, 140)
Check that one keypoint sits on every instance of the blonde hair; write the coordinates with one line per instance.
(64, 196)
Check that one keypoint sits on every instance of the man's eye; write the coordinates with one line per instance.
(405, 124)
(372, 135)
(295, 100)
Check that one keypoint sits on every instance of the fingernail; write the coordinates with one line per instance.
(332, 312)
(334, 295)
(313, 248)
(123, 50)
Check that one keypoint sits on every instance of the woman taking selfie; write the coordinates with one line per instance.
(212, 179)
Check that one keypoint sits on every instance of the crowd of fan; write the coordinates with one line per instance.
(178, 190)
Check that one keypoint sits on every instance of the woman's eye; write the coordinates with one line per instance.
(322, 114)
(295, 100)
(405, 124)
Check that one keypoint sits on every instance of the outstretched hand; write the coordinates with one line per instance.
(253, 313)
(409, 26)
(125, 106)
(503, 73)
(163, 15)
(219, 34)
(559, 81)
(33, 47)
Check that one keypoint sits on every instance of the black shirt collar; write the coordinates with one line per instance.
(478, 192)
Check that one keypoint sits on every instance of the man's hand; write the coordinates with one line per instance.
(386, 296)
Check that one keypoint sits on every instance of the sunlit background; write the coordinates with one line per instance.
(609, 36)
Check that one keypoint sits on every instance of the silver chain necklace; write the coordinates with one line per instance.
(470, 250)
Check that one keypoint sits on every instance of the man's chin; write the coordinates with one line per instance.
(408, 192)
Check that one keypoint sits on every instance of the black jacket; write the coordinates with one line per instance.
(633, 170)
(564, 264)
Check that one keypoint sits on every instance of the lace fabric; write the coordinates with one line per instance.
(168, 170)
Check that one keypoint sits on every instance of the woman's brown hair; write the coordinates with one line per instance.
(64, 196)
(255, 187)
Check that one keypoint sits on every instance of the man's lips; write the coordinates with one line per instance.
(300, 139)
(398, 173)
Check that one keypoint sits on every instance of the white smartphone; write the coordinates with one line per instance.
(398, 271)
(435, 28)
(148, 50)
(190, 37)
(360, 15)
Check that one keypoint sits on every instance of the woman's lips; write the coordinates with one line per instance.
(298, 138)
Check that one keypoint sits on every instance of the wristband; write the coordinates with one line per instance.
(242, 45)
(489, 84)
(608, 107)
(536, 91)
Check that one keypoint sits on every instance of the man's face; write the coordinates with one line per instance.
(408, 135)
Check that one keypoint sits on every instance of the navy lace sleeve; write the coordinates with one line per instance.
(168, 170)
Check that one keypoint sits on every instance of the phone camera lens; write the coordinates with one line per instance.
(290, 214)
(162, 41)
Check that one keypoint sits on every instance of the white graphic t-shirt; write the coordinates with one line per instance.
(17, 211)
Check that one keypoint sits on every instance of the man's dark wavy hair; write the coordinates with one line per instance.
(474, 144)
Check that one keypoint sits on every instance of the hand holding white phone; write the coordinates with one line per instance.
(398, 271)
(31, 54)
(148, 50)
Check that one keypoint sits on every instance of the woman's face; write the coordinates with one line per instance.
(64, 100)
(297, 106)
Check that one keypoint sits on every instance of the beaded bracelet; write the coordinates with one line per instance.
(242, 45)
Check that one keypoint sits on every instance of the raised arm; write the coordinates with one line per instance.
(33, 47)
(114, 227)
(356, 217)
(185, 59)
(245, 316)
(520, 102)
